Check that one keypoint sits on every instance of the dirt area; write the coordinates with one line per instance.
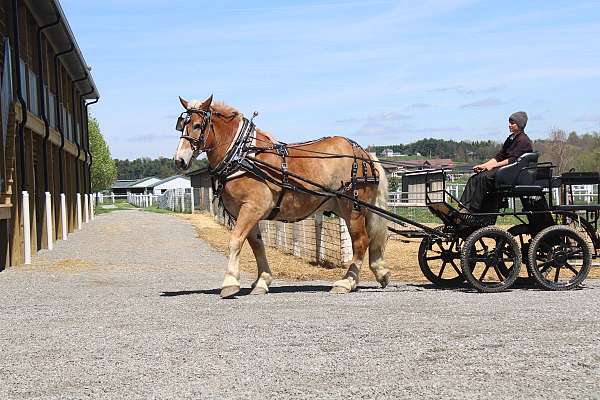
(401, 257)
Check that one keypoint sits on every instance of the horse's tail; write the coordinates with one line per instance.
(377, 229)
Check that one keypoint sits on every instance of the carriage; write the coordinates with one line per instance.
(555, 242)
(257, 177)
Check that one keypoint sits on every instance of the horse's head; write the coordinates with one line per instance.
(193, 124)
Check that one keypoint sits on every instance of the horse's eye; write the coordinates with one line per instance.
(197, 126)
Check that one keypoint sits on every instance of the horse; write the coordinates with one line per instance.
(268, 184)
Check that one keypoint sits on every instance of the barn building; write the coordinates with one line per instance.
(173, 182)
(45, 160)
(138, 186)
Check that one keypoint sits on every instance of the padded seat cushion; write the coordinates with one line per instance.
(527, 189)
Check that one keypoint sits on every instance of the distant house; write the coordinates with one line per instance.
(387, 153)
(173, 182)
(125, 186)
(399, 168)
(431, 163)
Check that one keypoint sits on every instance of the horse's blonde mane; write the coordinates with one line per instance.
(216, 105)
(223, 108)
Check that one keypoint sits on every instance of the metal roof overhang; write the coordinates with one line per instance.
(61, 37)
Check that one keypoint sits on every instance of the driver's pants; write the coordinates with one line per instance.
(476, 196)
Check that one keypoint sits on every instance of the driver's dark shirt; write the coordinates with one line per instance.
(514, 148)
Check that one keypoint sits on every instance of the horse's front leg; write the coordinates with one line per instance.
(247, 218)
(264, 279)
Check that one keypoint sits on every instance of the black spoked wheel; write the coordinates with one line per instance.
(491, 259)
(559, 258)
(439, 261)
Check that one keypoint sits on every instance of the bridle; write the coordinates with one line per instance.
(184, 120)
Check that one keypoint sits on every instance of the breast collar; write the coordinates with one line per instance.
(241, 146)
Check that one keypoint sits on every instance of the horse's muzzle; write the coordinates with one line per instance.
(181, 164)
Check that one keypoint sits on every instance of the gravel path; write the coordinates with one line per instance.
(128, 308)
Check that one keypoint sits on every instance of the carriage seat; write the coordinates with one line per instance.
(519, 178)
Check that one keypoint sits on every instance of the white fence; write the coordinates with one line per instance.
(580, 194)
(177, 200)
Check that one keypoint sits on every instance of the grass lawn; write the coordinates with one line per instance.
(119, 205)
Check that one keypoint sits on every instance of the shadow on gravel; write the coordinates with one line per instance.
(520, 284)
(246, 291)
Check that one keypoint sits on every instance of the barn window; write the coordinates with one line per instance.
(23, 70)
(33, 94)
(52, 109)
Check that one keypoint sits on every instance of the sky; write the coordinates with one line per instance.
(377, 71)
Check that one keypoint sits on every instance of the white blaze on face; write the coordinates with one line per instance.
(183, 154)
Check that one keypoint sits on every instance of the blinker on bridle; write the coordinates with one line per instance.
(185, 118)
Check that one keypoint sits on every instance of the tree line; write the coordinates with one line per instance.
(567, 151)
(143, 167)
(571, 151)
(463, 151)
(580, 152)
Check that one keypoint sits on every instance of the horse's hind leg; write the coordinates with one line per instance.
(264, 279)
(377, 230)
(360, 241)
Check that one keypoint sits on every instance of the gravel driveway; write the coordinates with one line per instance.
(128, 308)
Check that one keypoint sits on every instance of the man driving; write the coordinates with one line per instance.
(480, 184)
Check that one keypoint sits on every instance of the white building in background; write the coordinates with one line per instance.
(173, 182)
(145, 183)
(387, 153)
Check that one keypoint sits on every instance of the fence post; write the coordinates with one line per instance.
(296, 238)
(93, 205)
(210, 202)
(192, 201)
(113, 197)
(318, 232)
(79, 221)
(26, 228)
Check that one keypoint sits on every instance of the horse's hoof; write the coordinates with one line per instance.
(339, 290)
(229, 291)
(259, 291)
(385, 280)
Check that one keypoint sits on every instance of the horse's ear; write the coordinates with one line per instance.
(184, 102)
(207, 102)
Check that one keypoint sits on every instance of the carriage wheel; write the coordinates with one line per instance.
(439, 260)
(573, 221)
(559, 258)
(491, 259)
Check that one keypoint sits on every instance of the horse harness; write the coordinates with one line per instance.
(240, 158)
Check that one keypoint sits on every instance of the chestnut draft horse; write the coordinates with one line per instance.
(260, 178)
